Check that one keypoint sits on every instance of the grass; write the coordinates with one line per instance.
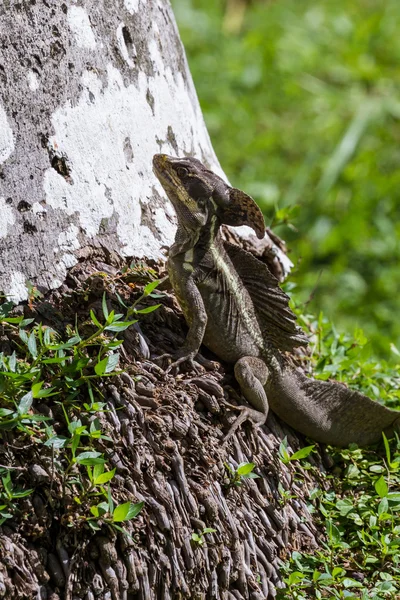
(357, 501)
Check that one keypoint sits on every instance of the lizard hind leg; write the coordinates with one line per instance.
(251, 374)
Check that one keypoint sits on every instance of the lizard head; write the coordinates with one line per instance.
(198, 194)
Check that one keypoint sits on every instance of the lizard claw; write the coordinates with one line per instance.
(256, 417)
(188, 358)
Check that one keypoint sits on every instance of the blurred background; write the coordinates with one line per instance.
(302, 102)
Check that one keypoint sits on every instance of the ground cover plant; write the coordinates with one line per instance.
(360, 503)
(68, 369)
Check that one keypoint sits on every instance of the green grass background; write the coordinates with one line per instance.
(302, 103)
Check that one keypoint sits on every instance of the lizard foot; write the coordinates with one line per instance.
(256, 417)
(188, 358)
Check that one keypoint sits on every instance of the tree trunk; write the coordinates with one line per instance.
(90, 90)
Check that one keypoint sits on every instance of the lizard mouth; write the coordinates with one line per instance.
(186, 207)
(162, 168)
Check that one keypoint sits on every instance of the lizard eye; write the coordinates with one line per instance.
(182, 171)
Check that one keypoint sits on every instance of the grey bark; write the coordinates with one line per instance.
(90, 90)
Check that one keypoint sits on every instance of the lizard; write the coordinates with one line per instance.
(234, 305)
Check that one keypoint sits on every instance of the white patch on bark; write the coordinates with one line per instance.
(38, 209)
(6, 137)
(132, 6)
(123, 47)
(92, 136)
(33, 81)
(79, 23)
(68, 242)
(17, 290)
(7, 217)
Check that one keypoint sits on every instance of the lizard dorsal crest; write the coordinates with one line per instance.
(237, 208)
(271, 304)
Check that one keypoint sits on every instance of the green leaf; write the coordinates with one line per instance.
(111, 318)
(23, 336)
(56, 441)
(12, 362)
(333, 532)
(112, 362)
(349, 583)
(76, 427)
(89, 458)
(100, 368)
(377, 469)
(393, 496)
(147, 310)
(283, 453)
(208, 530)
(121, 301)
(4, 412)
(32, 344)
(104, 306)
(150, 287)
(295, 577)
(75, 444)
(26, 322)
(107, 365)
(12, 320)
(251, 476)
(25, 403)
(36, 388)
(21, 493)
(381, 487)
(7, 483)
(95, 320)
(197, 538)
(303, 453)
(100, 509)
(383, 506)
(98, 470)
(104, 477)
(110, 500)
(245, 468)
(387, 450)
(126, 511)
(344, 506)
(118, 327)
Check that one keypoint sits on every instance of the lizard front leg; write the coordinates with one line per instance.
(251, 373)
(193, 307)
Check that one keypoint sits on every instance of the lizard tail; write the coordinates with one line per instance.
(328, 411)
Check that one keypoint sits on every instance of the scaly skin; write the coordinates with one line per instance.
(233, 304)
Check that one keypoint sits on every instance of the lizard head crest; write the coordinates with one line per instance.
(198, 194)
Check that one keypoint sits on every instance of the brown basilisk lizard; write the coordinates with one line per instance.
(234, 305)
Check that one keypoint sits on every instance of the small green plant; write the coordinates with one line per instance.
(243, 471)
(8, 494)
(106, 512)
(286, 457)
(359, 506)
(198, 538)
(360, 511)
(64, 372)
